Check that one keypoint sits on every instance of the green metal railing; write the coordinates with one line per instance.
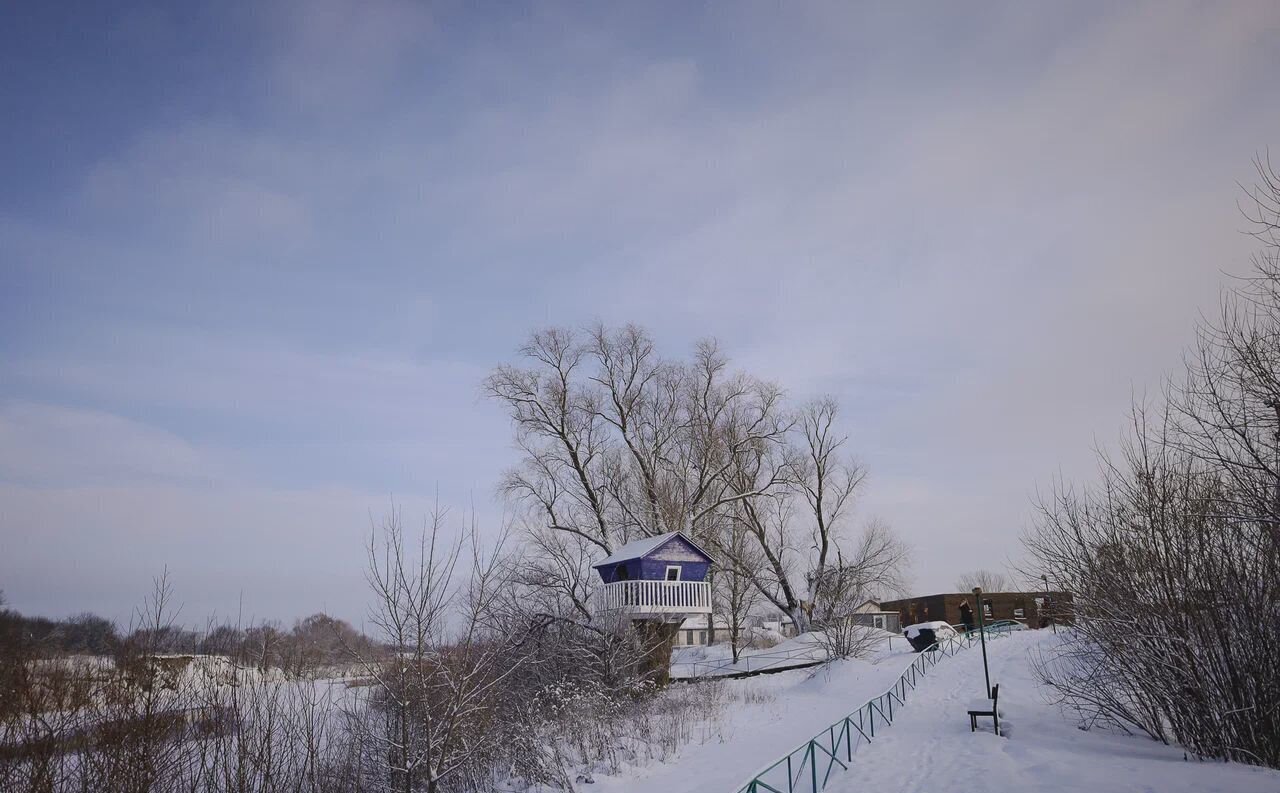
(808, 767)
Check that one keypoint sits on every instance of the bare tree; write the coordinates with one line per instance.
(875, 566)
(620, 443)
(803, 493)
(436, 690)
(736, 593)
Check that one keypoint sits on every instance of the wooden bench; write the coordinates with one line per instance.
(978, 708)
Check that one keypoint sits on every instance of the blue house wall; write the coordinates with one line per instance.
(653, 566)
(656, 570)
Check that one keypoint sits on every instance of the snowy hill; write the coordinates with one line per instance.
(929, 747)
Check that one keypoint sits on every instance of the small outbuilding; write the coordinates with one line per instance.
(873, 615)
(657, 577)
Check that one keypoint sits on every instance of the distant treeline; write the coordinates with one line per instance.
(318, 640)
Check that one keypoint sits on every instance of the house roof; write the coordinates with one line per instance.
(638, 549)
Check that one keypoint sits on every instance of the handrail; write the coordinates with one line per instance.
(708, 668)
(802, 763)
(656, 596)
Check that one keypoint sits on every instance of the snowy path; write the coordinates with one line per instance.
(929, 748)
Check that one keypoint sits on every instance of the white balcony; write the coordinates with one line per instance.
(656, 598)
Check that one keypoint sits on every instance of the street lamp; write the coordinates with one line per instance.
(1045, 577)
(982, 634)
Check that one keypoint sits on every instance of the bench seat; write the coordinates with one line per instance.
(986, 707)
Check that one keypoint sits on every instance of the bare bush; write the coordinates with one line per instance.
(1173, 558)
(874, 567)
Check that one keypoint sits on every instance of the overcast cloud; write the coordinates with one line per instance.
(256, 258)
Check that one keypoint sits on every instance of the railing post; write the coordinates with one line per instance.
(982, 636)
(813, 768)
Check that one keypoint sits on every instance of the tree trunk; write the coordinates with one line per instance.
(800, 619)
(655, 640)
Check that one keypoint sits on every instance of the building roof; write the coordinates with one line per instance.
(1035, 593)
(871, 606)
(638, 549)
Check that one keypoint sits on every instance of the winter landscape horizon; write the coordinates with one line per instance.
(404, 395)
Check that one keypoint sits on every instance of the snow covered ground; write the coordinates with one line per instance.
(764, 717)
(717, 659)
(929, 747)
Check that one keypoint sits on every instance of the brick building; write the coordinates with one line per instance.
(1032, 608)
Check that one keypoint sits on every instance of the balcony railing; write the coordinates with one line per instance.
(657, 597)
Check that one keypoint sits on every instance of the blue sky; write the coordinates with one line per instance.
(256, 258)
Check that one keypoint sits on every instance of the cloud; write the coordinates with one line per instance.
(337, 54)
(102, 505)
(281, 553)
(49, 444)
(223, 186)
(981, 231)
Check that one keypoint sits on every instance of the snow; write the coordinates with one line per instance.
(763, 717)
(637, 549)
(807, 648)
(1042, 750)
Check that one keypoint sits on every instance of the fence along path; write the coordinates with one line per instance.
(808, 767)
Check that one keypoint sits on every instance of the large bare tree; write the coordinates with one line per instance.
(620, 443)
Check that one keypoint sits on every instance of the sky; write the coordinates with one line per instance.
(256, 258)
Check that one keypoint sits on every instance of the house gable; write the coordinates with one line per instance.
(650, 558)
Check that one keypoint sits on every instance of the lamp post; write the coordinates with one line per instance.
(982, 635)
(1045, 577)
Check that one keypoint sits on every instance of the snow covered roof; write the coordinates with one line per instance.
(638, 549)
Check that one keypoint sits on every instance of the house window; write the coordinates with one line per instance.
(878, 621)
(621, 573)
(1018, 613)
(986, 608)
(688, 637)
(673, 572)
(702, 637)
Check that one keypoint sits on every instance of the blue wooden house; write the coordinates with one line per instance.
(657, 577)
